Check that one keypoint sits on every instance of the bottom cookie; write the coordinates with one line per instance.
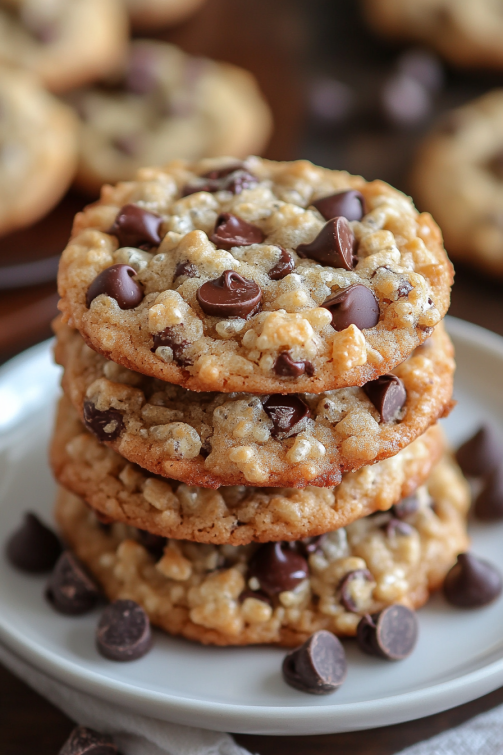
(278, 592)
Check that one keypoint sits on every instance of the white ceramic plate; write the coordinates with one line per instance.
(459, 655)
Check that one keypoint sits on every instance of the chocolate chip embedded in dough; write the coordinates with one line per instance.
(232, 231)
(285, 412)
(403, 289)
(309, 545)
(334, 245)
(123, 632)
(234, 178)
(84, 741)
(391, 634)
(176, 342)
(33, 547)
(397, 528)
(355, 305)
(277, 567)
(106, 425)
(318, 667)
(472, 582)
(348, 204)
(137, 227)
(347, 599)
(283, 267)
(481, 453)
(285, 366)
(117, 282)
(388, 395)
(406, 507)
(154, 544)
(186, 268)
(70, 590)
(230, 295)
(489, 503)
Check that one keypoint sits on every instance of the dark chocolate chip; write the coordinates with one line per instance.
(347, 599)
(117, 282)
(84, 741)
(257, 594)
(277, 567)
(405, 101)
(472, 582)
(285, 366)
(318, 666)
(70, 590)
(397, 528)
(481, 453)
(233, 231)
(489, 503)
(141, 75)
(175, 340)
(334, 245)
(123, 632)
(388, 395)
(234, 179)
(283, 267)
(106, 425)
(230, 295)
(33, 547)
(355, 305)
(285, 412)
(128, 144)
(154, 544)
(137, 227)
(495, 166)
(347, 204)
(309, 545)
(186, 268)
(390, 634)
(406, 507)
(403, 290)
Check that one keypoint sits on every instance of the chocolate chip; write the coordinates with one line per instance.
(70, 590)
(489, 503)
(347, 599)
(283, 267)
(285, 366)
(403, 290)
(257, 595)
(277, 567)
(334, 245)
(187, 269)
(472, 582)
(106, 425)
(406, 507)
(84, 741)
(495, 166)
(141, 75)
(232, 231)
(123, 632)
(234, 179)
(348, 204)
(33, 547)
(318, 666)
(285, 412)
(309, 545)
(176, 342)
(355, 305)
(230, 295)
(396, 528)
(154, 544)
(481, 453)
(137, 227)
(117, 282)
(388, 395)
(390, 634)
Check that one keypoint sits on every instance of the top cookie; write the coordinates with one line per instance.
(258, 276)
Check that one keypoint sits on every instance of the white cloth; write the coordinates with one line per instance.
(133, 733)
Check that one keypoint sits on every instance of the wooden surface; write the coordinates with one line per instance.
(287, 44)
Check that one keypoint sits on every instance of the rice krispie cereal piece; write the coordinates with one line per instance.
(150, 14)
(279, 592)
(240, 439)
(256, 276)
(235, 515)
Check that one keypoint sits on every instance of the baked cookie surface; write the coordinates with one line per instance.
(236, 515)
(213, 439)
(148, 14)
(236, 595)
(246, 285)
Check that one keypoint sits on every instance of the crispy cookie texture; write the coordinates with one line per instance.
(213, 439)
(225, 595)
(229, 227)
(234, 515)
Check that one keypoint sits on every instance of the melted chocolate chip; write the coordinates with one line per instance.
(318, 667)
(186, 268)
(355, 305)
(285, 366)
(154, 544)
(283, 267)
(334, 245)
(406, 507)
(481, 453)
(397, 528)
(176, 342)
(84, 741)
(347, 599)
(117, 282)
(234, 179)
(137, 227)
(230, 295)
(391, 634)
(472, 582)
(277, 568)
(347, 204)
(33, 548)
(285, 412)
(388, 395)
(232, 231)
(70, 590)
(123, 632)
(106, 425)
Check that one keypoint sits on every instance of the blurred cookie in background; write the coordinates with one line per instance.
(149, 14)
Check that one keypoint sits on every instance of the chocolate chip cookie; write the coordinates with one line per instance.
(150, 14)
(214, 439)
(279, 592)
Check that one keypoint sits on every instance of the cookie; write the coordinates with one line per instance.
(249, 282)
(278, 592)
(235, 515)
(458, 175)
(214, 439)
(66, 44)
(466, 33)
(166, 104)
(150, 14)
(39, 150)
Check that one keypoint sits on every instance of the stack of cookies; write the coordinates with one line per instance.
(254, 365)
